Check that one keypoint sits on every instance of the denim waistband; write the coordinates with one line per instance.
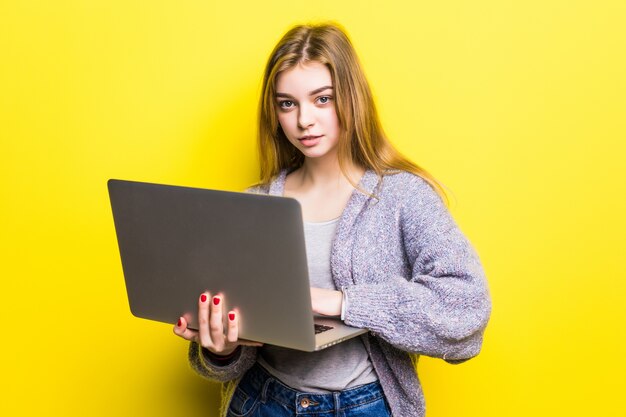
(259, 380)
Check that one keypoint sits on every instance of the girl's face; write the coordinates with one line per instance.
(306, 109)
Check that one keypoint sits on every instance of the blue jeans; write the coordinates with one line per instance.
(259, 394)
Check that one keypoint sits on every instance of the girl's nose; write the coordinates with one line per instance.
(305, 117)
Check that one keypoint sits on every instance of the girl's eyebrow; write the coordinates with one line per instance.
(312, 93)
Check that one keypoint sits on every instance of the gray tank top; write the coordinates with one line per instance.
(336, 368)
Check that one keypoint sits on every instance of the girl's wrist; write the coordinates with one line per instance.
(222, 359)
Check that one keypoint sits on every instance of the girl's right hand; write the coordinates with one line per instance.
(211, 333)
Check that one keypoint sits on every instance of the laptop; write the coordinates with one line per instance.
(177, 242)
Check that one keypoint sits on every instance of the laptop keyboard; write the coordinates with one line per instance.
(319, 328)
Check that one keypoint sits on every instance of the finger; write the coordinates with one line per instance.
(203, 320)
(180, 329)
(215, 321)
(249, 343)
(233, 327)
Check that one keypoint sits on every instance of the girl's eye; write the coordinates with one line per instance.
(324, 99)
(286, 104)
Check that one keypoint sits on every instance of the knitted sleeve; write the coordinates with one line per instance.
(442, 308)
(206, 367)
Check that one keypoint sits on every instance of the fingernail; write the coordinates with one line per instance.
(203, 298)
(180, 323)
(216, 300)
(231, 316)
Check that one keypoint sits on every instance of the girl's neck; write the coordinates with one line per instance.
(325, 172)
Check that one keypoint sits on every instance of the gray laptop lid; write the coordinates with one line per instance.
(176, 242)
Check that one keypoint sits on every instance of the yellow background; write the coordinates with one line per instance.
(519, 107)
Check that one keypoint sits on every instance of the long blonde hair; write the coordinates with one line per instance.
(362, 139)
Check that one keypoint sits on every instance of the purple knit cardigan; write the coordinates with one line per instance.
(409, 275)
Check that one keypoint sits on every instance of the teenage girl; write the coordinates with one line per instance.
(384, 253)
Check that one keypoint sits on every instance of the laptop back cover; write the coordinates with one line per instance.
(176, 242)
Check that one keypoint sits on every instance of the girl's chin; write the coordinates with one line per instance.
(317, 154)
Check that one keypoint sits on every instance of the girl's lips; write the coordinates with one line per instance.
(310, 140)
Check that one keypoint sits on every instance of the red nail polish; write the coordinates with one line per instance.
(180, 323)
(203, 298)
(216, 300)
(231, 316)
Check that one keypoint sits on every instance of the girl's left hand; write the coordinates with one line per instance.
(326, 302)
